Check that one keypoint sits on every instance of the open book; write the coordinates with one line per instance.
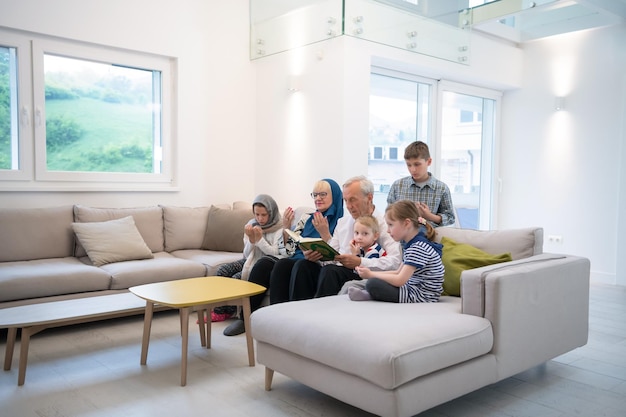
(314, 243)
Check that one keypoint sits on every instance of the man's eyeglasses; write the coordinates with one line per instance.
(321, 195)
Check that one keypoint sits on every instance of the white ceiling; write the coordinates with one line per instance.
(540, 19)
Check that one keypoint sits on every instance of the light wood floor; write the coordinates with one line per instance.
(93, 370)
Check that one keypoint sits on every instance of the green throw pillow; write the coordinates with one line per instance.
(457, 257)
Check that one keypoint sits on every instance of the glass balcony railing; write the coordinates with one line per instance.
(429, 27)
(438, 28)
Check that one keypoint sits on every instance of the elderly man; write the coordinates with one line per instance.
(318, 280)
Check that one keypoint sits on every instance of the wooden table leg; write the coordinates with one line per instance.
(8, 353)
(184, 318)
(147, 325)
(208, 327)
(246, 321)
(27, 332)
(201, 326)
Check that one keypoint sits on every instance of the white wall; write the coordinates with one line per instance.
(322, 130)
(565, 170)
(216, 87)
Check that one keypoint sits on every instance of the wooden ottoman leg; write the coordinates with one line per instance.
(269, 375)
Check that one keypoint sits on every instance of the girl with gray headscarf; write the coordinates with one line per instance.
(260, 238)
(261, 234)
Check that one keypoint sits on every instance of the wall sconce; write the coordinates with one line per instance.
(294, 83)
(559, 103)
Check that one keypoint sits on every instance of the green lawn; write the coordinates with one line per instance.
(116, 137)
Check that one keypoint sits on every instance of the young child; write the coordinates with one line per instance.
(431, 196)
(365, 243)
(420, 277)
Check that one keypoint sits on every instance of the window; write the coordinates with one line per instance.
(82, 97)
(8, 109)
(404, 108)
(100, 118)
(400, 113)
(467, 156)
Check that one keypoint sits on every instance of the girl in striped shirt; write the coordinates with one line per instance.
(420, 277)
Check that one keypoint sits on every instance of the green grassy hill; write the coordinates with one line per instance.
(115, 137)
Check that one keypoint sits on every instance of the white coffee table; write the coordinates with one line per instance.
(37, 317)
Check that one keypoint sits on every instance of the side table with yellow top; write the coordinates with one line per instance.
(204, 293)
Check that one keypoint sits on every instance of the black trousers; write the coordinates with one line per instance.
(287, 279)
(332, 278)
(293, 279)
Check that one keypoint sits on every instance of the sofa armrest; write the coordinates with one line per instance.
(538, 308)
(473, 281)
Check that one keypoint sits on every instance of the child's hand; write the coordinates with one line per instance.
(355, 249)
(257, 234)
(363, 272)
(254, 233)
(423, 209)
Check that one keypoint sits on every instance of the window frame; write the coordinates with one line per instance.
(32, 174)
(23, 94)
(489, 146)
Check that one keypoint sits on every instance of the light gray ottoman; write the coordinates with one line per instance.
(368, 353)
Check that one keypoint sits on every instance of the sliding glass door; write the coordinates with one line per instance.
(459, 124)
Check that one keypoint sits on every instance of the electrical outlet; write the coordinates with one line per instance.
(555, 238)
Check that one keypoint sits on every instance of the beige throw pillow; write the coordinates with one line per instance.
(224, 230)
(112, 241)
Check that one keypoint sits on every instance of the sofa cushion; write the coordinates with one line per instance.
(363, 339)
(36, 233)
(242, 205)
(149, 222)
(163, 267)
(211, 259)
(224, 231)
(48, 277)
(457, 257)
(521, 243)
(112, 241)
(184, 227)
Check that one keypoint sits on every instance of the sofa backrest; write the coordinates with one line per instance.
(40, 233)
(521, 243)
(184, 227)
(149, 222)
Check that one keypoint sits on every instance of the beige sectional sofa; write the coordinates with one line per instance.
(401, 359)
(41, 258)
